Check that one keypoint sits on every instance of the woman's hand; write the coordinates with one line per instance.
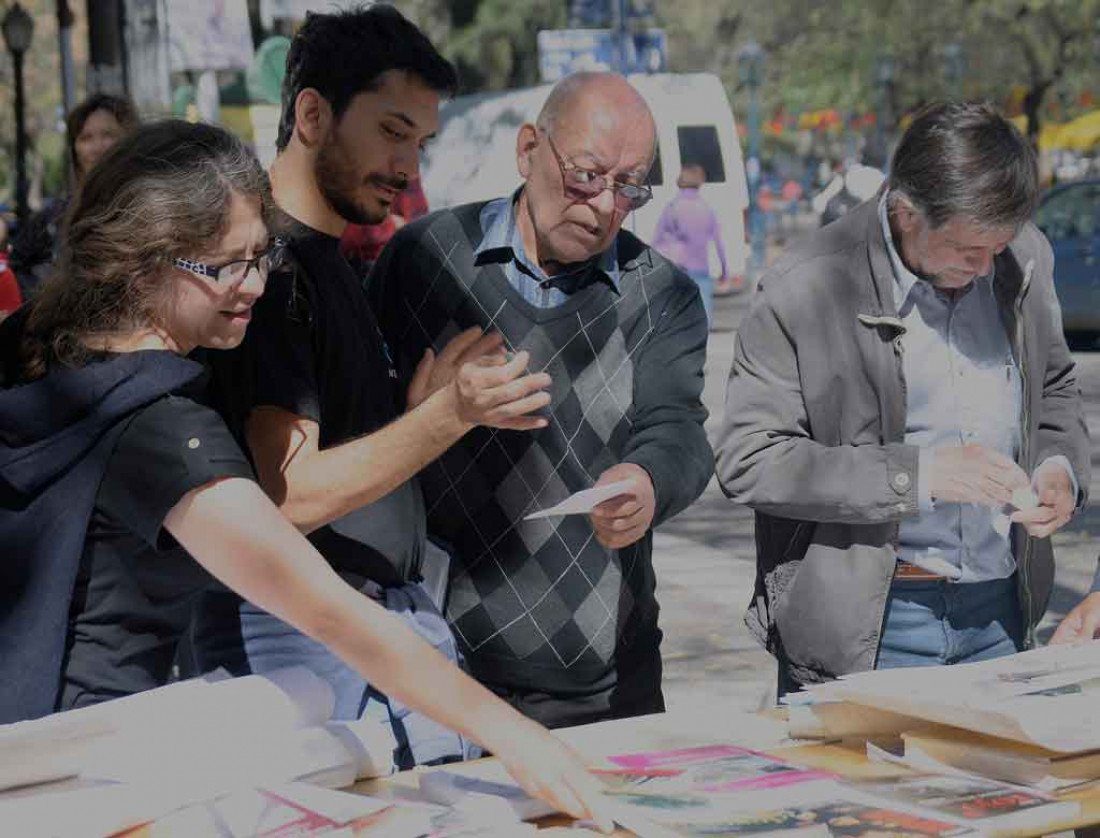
(550, 770)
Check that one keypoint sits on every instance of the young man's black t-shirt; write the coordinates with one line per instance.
(135, 586)
(314, 349)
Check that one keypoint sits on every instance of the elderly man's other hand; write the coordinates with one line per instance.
(1082, 623)
(624, 519)
(974, 474)
(1056, 502)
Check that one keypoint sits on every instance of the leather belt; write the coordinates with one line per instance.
(906, 572)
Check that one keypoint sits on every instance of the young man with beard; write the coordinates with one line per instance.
(312, 391)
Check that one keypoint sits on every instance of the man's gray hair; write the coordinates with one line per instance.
(964, 160)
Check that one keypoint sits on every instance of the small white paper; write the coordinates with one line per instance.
(1022, 498)
(1025, 498)
(585, 500)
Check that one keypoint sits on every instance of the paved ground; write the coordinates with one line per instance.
(705, 564)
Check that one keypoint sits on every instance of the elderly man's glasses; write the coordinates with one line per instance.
(585, 184)
(237, 270)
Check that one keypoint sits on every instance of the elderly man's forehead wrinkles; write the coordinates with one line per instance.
(612, 142)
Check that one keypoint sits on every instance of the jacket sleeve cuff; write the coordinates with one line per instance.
(902, 472)
(1096, 580)
(924, 481)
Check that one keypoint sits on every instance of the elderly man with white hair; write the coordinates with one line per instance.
(559, 615)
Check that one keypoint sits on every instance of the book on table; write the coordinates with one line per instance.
(1044, 697)
(1002, 759)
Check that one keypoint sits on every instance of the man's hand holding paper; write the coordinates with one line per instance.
(624, 519)
(1056, 501)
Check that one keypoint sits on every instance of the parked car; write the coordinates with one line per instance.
(1069, 215)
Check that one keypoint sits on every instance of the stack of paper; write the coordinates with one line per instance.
(100, 769)
(1047, 697)
(1000, 759)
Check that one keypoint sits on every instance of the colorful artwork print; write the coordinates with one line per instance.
(713, 768)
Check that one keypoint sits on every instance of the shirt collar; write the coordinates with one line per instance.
(501, 241)
(904, 279)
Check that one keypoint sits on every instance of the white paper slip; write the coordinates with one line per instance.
(585, 500)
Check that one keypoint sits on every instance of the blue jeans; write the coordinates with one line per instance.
(271, 644)
(937, 623)
(706, 291)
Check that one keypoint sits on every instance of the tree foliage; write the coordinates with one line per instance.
(1020, 53)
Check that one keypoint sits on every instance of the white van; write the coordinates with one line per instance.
(474, 158)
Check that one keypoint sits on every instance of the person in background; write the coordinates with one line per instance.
(91, 128)
(122, 494)
(361, 244)
(685, 230)
(10, 295)
(791, 195)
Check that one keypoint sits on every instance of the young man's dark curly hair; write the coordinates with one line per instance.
(345, 53)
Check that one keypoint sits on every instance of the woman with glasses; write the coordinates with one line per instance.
(121, 494)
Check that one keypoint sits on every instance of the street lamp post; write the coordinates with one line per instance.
(18, 30)
(750, 65)
(884, 80)
(954, 67)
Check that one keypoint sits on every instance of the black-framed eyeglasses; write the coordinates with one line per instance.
(237, 270)
(585, 184)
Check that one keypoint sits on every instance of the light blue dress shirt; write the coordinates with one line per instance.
(502, 239)
(963, 387)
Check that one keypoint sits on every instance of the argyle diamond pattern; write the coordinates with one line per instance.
(543, 592)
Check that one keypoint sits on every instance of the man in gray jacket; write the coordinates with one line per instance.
(904, 418)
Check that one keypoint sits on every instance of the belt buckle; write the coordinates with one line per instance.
(914, 573)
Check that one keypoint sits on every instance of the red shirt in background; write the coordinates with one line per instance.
(364, 242)
(10, 298)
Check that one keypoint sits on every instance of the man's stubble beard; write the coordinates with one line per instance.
(337, 182)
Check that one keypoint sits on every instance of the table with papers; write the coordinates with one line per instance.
(667, 731)
(100, 770)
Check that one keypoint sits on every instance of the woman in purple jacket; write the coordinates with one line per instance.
(686, 226)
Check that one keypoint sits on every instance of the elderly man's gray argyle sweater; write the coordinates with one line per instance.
(541, 605)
